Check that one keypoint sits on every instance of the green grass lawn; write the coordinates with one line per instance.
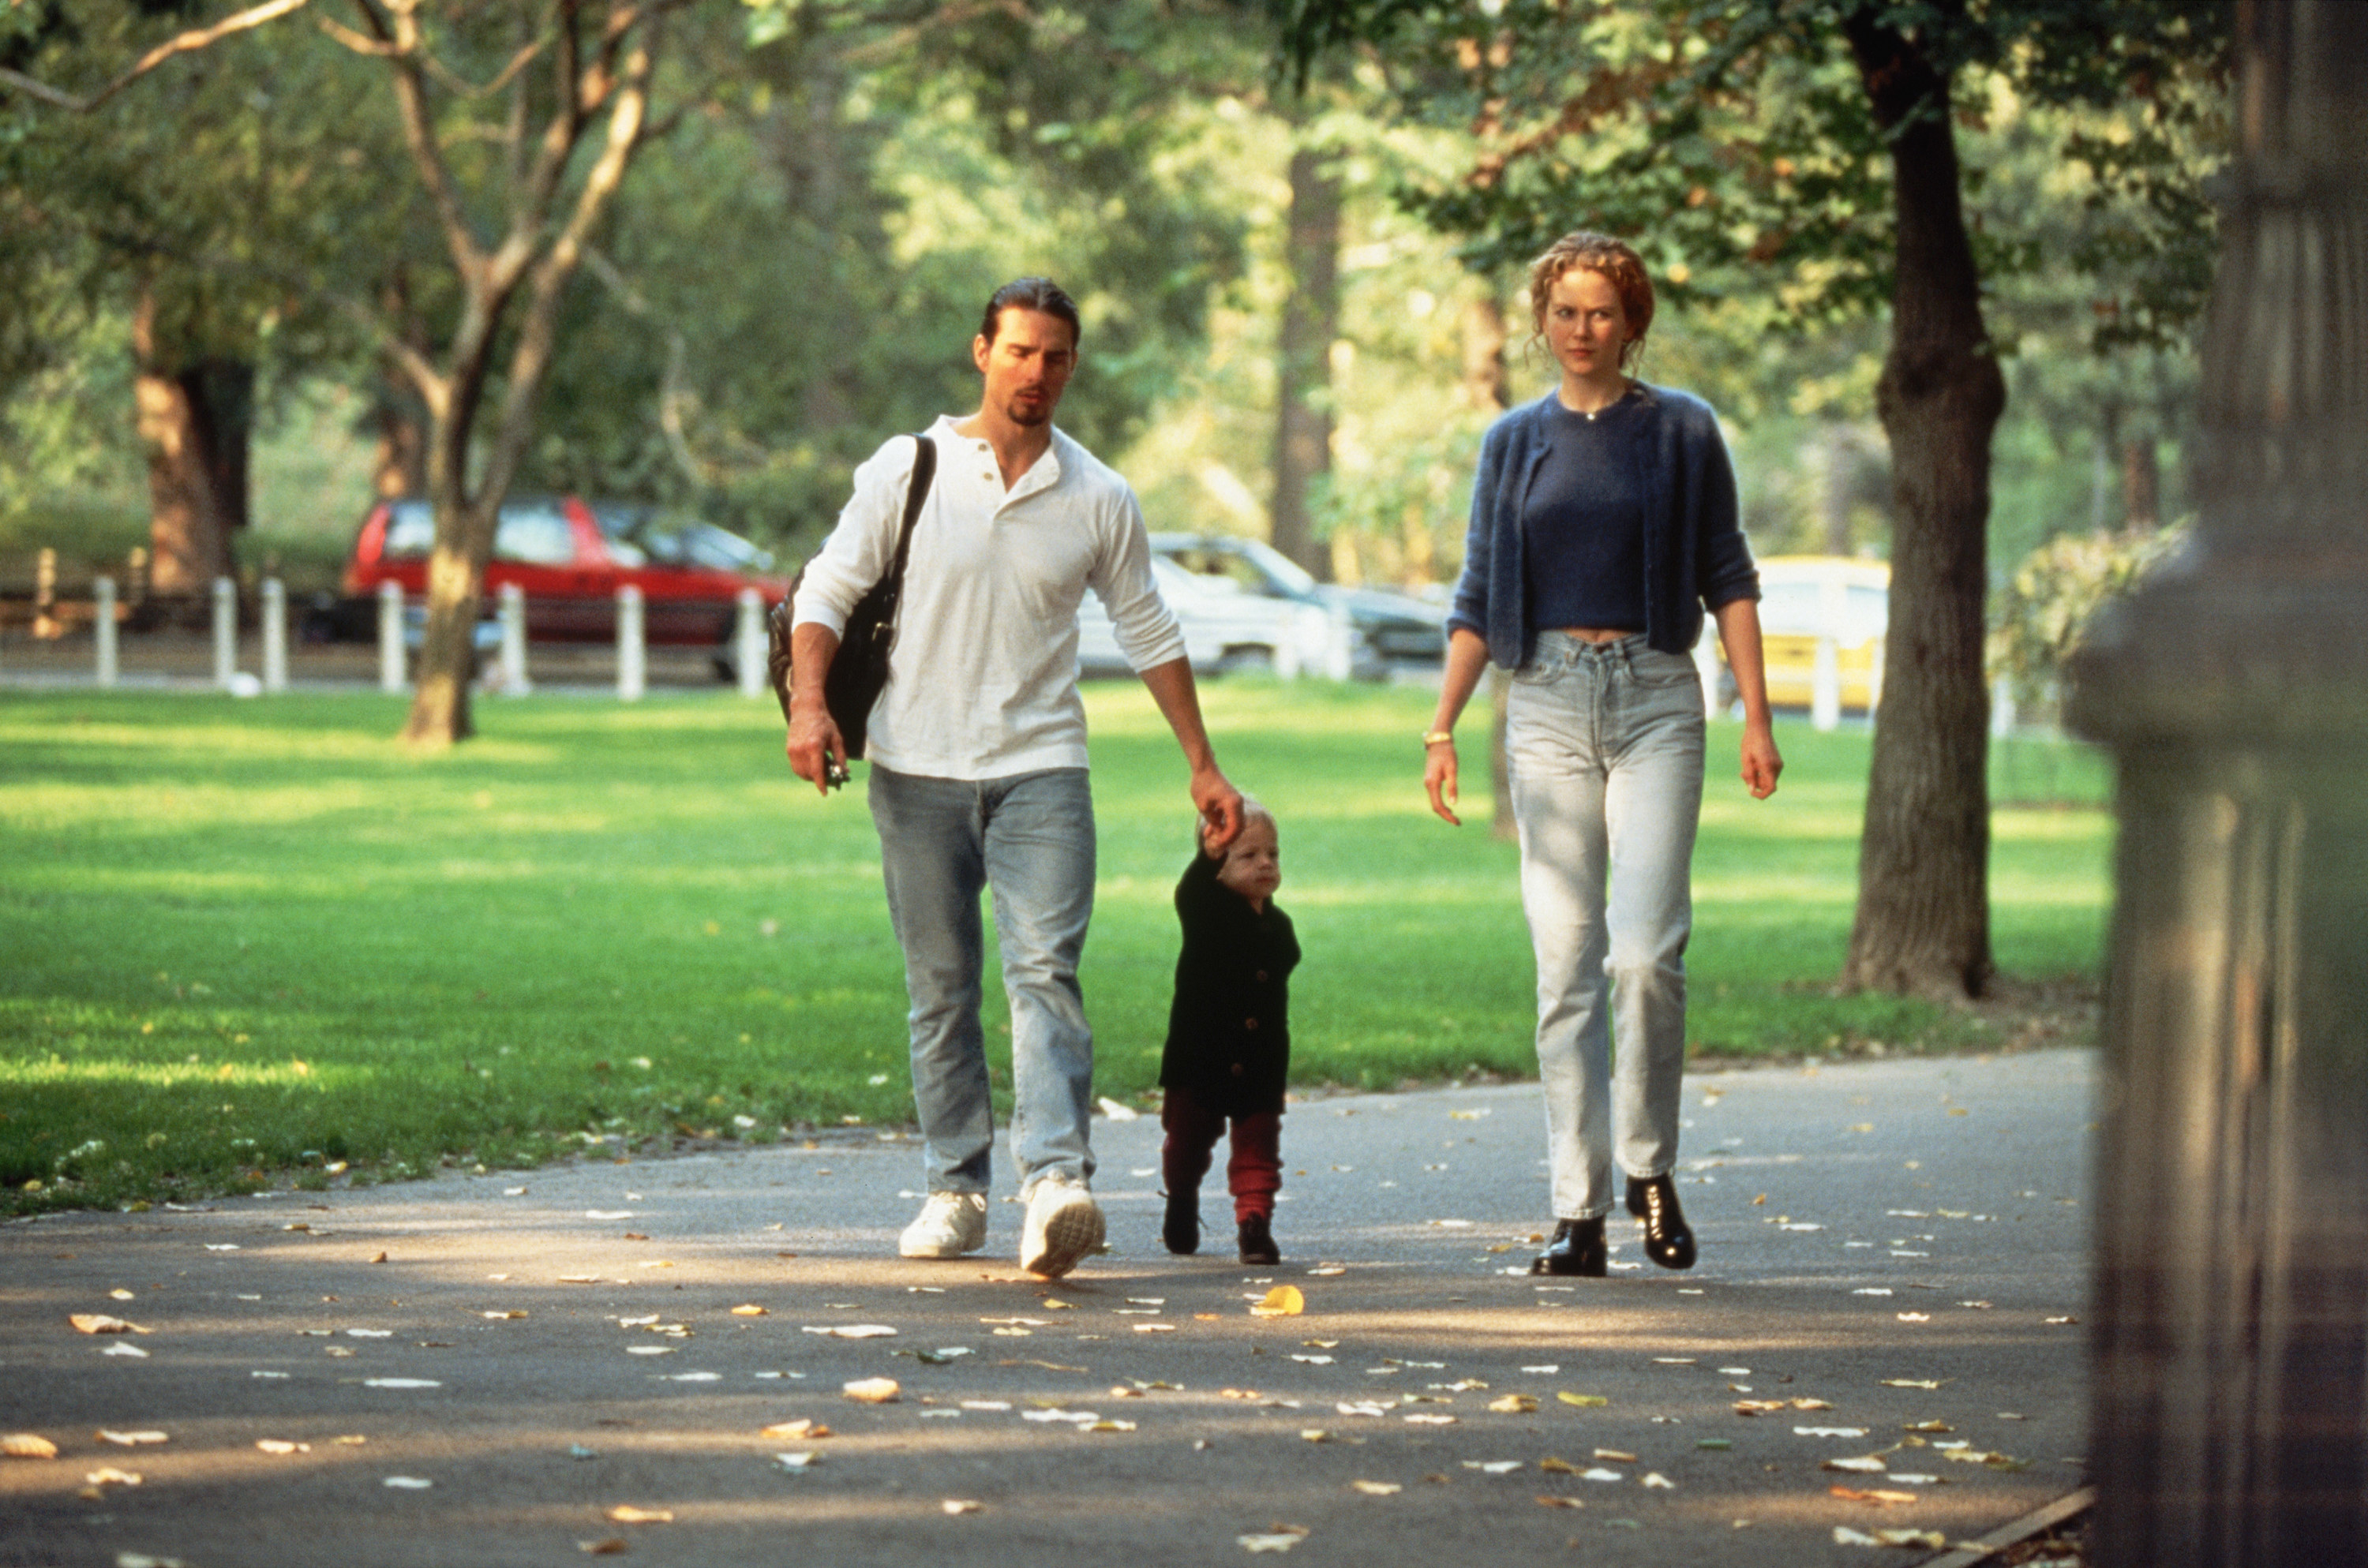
(247, 941)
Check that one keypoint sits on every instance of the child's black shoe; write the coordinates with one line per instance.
(1181, 1229)
(1258, 1241)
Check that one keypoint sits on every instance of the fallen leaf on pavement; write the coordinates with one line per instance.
(626, 1514)
(1758, 1406)
(1931, 1540)
(872, 1391)
(99, 1322)
(1655, 1482)
(1283, 1301)
(796, 1462)
(127, 1349)
(1908, 1383)
(401, 1383)
(1929, 1426)
(613, 1545)
(1867, 1465)
(130, 1439)
(1553, 1466)
(407, 1483)
(961, 1505)
(1377, 1488)
(855, 1331)
(1493, 1467)
(1561, 1503)
(749, 1311)
(1583, 1400)
(1279, 1540)
(1876, 1495)
(1615, 1456)
(1511, 1404)
(804, 1427)
(28, 1446)
(107, 1475)
(1598, 1474)
(283, 1446)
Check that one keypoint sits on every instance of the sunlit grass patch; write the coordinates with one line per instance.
(252, 942)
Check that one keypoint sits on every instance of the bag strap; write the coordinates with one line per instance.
(917, 490)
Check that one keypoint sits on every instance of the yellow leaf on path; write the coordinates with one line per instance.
(1756, 1407)
(28, 1446)
(1874, 1495)
(1909, 1383)
(1378, 1488)
(626, 1514)
(873, 1391)
(961, 1505)
(1514, 1404)
(1582, 1400)
(1929, 1426)
(1931, 1541)
(130, 1439)
(805, 1427)
(1615, 1456)
(1280, 1540)
(1283, 1301)
(99, 1322)
(750, 1311)
(1813, 1404)
(1561, 1503)
(1868, 1465)
(1553, 1466)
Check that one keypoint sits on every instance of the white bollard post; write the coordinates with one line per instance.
(749, 638)
(1826, 687)
(390, 637)
(1340, 647)
(2002, 713)
(225, 633)
(1706, 665)
(512, 666)
(275, 634)
(102, 593)
(632, 666)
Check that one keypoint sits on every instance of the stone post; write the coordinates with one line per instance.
(2231, 1323)
(748, 643)
(390, 637)
(632, 666)
(225, 633)
(514, 680)
(102, 627)
(274, 635)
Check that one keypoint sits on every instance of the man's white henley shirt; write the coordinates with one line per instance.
(983, 683)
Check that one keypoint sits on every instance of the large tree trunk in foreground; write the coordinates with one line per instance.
(194, 422)
(1923, 903)
(1311, 318)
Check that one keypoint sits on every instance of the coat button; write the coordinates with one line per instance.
(1262, 974)
(1237, 1069)
(1250, 1023)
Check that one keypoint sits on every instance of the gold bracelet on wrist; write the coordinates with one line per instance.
(1437, 737)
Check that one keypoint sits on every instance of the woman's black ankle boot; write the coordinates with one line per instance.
(1668, 1241)
(1258, 1241)
(1576, 1248)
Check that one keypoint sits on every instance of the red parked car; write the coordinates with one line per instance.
(570, 557)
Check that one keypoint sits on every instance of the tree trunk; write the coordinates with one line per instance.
(194, 422)
(2141, 485)
(1922, 925)
(1311, 318)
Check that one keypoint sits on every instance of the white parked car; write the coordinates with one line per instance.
(1225, 628)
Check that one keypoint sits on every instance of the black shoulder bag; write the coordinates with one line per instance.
(856, 676)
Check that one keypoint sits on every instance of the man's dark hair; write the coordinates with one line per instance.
(1032, 294)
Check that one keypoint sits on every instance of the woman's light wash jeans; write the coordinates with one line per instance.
(1031, 838)
(1606, 748)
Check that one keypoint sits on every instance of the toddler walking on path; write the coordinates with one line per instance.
(1229, 1036)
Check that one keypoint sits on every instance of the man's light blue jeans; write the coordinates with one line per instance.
(1031, 839)
(1605, 749)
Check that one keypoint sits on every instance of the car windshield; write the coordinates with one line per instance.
(671, 540)
(1249, 564)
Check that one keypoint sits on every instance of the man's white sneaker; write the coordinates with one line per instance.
(951, 1224)
(1064, 1227)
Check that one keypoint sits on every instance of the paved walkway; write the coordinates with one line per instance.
(480, 1369)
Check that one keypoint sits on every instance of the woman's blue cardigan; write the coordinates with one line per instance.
(1695, 553)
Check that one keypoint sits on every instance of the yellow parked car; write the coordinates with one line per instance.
(1805, 596)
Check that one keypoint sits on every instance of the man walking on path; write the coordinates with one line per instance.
(978, 752)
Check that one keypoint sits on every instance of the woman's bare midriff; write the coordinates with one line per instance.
(1599, 635)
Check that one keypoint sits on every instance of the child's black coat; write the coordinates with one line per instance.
(1229, 1028)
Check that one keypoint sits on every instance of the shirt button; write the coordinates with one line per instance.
(1262, 974)
(1237, 1069)
(1250, 1023)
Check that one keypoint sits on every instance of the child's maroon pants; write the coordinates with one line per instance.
(1253, 1174)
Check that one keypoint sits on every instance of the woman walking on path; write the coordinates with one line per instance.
(1603, 521)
